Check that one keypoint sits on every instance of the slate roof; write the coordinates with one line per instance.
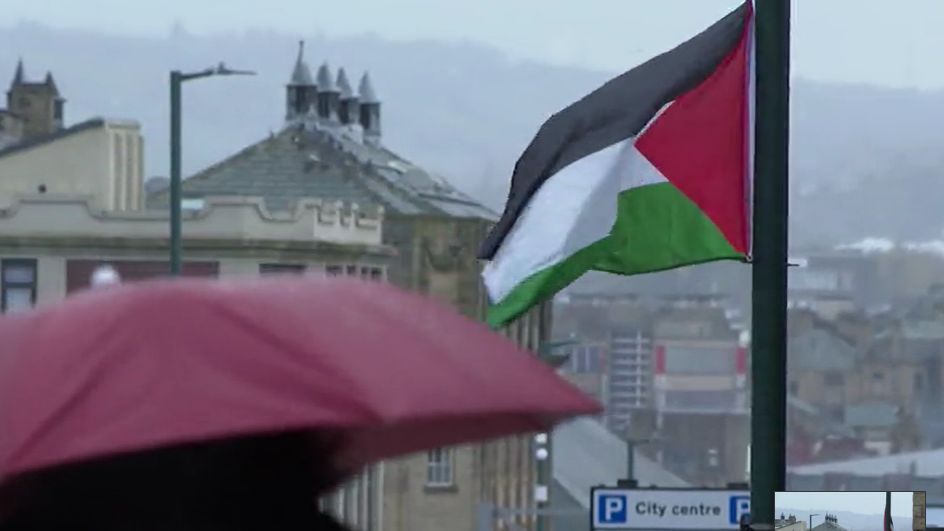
(924, 462)
(824, 426)
(330, 164)
(871, 415)
(829, 526)
(586, 454)
(820, 350)
(674, 324)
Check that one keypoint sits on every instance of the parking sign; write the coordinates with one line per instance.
(740, 506)
(627, 509)
(612, 509)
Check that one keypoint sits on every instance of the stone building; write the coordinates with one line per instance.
(332, 148)
(820, 369)
(51, 244)
(71, 199)
(789, 523)
(919, 515)
(33, 109)
(700, 385)
(672, 366)
(831, 523)
(99, 158)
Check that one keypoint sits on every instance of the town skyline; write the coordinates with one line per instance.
(864, 503)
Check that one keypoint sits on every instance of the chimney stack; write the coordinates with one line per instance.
(348, 107)
(328, 94)
(369, 110)
(301, 92)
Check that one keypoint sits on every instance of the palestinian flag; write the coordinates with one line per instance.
(650, 172)
(888, 513)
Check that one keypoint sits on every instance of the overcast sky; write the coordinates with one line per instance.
(883, 42)
(851, 502)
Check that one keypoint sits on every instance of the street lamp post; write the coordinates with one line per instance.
(811, 520)
(543, 442)
(631, 453)
(176, 80)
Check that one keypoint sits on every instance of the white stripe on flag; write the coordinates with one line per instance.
(574, 208)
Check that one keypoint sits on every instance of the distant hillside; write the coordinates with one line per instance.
(866, 161)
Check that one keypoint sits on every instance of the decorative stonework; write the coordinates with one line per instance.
(235, 218)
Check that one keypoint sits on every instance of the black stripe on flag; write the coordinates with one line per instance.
(614, 112)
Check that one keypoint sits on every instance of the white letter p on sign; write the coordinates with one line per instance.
(613, 505)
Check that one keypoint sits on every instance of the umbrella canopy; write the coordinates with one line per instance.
(376, 371)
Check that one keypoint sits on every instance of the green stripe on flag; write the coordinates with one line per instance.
(657, 228)
(545, 283)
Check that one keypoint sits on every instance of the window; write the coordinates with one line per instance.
(585, 359)
(281, 269)
(376, 274)
(700, 401)
(700, 360)
(439, 468)
(18, 285)
(878, 383)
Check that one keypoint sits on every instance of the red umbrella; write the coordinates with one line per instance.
(151, 365)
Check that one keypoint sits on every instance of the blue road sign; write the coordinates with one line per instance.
(625, 509)
(740, 506)
(612, 509)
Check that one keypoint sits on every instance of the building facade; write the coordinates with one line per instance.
(789, 523)
(629, 379)
(34, 109)
(673, 366)
(919, 507)
(50, 247)
(51, 244)
(700, 386)
(98, 158)
(331, 148)
(72, 198)
(831, 523)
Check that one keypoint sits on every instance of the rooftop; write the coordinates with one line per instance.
(330, 164)
(819, 349)
(872, 415)
(586, 454)
(923, 463)
(62, 133)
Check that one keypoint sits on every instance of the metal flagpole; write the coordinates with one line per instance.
(769, 312)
